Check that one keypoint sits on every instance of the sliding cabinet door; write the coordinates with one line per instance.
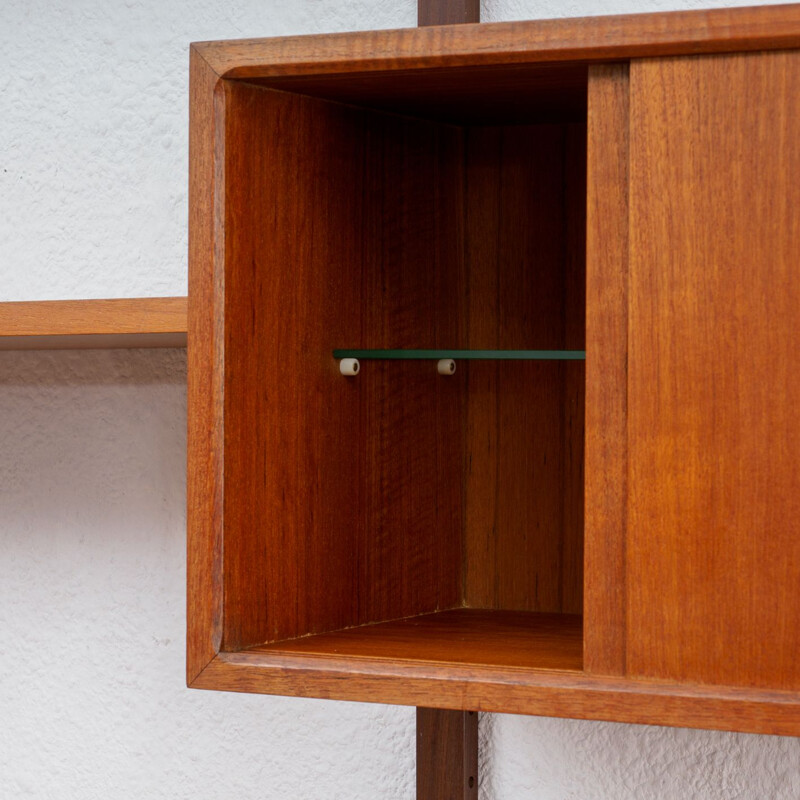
(693, 530)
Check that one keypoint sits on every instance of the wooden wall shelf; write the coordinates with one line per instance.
(616, 539)
(93, 324)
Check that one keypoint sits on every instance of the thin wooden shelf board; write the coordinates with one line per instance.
(93, 324)
(459, 636)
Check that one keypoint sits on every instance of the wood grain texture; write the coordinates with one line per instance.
(603, 38)
(49, 324)
(447, 12)
(460, 636)
(204, 488)
(515, 691)
(606, 369)
(525, 216)
(713, 551)
(342, 496)
(447, 754)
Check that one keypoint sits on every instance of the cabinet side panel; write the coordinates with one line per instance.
(204, 391)
(713, 559)
(342, 501)
(525, 270)
(606, 369)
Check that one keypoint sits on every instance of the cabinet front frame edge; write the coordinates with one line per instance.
(588, 39)
(514, 691)
(205, 392)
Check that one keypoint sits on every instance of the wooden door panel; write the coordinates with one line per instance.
(712, 556)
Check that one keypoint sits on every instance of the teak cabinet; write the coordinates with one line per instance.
(616, 539)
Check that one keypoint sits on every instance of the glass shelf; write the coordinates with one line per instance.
(486, 355)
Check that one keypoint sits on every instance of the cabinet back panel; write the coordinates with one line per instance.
(525, 273)
(713, 558)
(342, 496)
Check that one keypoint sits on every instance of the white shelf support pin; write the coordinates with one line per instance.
(446, 366)
(349, 366)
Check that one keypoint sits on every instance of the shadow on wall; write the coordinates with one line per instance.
(87, 368)
(97, 436)
(536, 758)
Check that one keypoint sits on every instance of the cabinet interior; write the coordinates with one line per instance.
(400, 513)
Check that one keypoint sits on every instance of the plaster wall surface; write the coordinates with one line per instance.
(93, 174)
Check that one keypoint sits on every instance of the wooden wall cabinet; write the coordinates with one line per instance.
(619, 540)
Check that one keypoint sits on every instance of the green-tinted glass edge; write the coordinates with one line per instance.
(505, 355)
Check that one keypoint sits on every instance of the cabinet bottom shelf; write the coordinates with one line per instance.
(503, 661)
(463, 636)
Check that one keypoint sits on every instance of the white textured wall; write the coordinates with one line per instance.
(93, 95)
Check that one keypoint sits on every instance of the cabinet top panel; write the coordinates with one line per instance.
(280, 61)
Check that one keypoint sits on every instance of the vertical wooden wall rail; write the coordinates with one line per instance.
(447, 12)
(447, 741)
(447, 754)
